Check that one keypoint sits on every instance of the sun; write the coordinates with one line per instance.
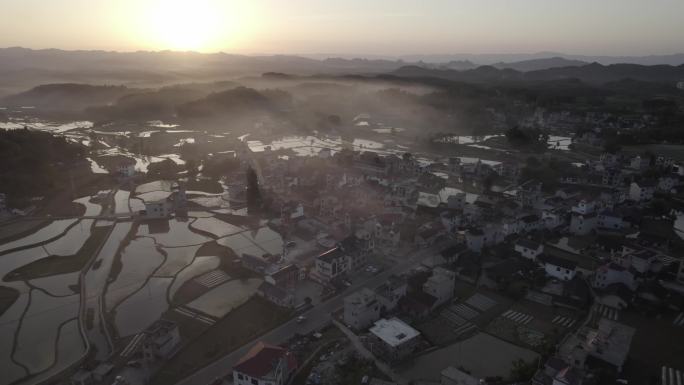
(187, 25)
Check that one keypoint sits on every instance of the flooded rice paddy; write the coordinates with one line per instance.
(131, 280)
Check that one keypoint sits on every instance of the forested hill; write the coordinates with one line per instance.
(32, 162)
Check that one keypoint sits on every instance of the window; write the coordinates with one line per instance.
(240, 376)
(255, 381)
(557, 268)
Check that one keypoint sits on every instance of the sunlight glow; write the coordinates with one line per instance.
(190, 25)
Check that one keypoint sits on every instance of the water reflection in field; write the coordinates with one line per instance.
(46, 233)
(144, 307)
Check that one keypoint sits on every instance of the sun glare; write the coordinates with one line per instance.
(190, 25)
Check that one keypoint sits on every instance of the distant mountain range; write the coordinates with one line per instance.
(590, 73)
(491, 59)
(22, 69)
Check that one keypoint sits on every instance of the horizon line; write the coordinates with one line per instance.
(395, 57)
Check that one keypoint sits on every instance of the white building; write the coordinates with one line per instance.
(332, 264)
(390, 292)
(528, 248)
(161, 198)
(158, 209)
(361, 309)
(440, 285)
(479, 238)
(264, 365)
(641, 191)
(584, 206)
(160, 341)
(126, 168)
(583, 224)
(392, 339)
(613, 273)
(559, 268)
(643, 261)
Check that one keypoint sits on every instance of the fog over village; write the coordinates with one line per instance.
(182, 208)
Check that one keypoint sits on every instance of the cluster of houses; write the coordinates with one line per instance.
(570, 121)
(376, 312)
(592, 240)
(596, 239)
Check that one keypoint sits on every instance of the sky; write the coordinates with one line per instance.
(363, 27)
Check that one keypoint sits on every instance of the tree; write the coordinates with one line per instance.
(522, 371)
(253, 193)
(488, 182)
(191, 167)
(166, 169)
(334, 120)
(612, 146)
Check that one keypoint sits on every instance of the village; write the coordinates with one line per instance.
(425, 271)
(336, 260)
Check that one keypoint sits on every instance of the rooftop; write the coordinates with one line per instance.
(364, 296)
(331, 255)
(528, 243)
(394, 331)
(458, 377)
(260, 360)
(610, 342)
(558, 261)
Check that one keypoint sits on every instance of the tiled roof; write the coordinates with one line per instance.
(260, 360)
(528, 243)
(558, 261)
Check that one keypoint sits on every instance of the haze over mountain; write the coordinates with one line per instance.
(540, 64)
(22, 69)
(591, 73)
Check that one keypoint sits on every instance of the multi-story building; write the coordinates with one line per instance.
(361, 309)
(331, 264)
(642, 191)
(390, 292)
(393, 340)
(160, 341)
(528, 248)
(440, 285)
(559, 268)
(583, 224)
(613, 273)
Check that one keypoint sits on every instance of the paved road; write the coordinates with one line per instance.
(316, 318)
